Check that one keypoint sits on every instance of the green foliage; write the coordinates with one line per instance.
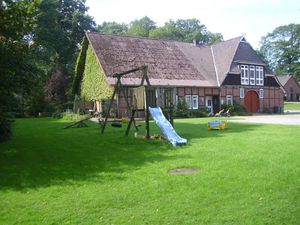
(60, 29)
(182, 110)
(74, 116)
(112, 28)
(94, 85)
(235, 109)
(281, 49)
(79, 66)
(5, 129)
(141, 27)
(186, 30)
(17, 19)
(201, 112)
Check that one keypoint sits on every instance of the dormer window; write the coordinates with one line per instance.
(244, 75)
(252, 75)
(259, 72)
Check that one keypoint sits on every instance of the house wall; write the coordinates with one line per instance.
(179, 92)
(292, 89)
(272, 96)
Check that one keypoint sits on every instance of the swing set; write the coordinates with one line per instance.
(140, 99)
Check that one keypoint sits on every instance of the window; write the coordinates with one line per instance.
(261, 93)
(242, 93)
(229, 100)
(195, 101)
(244, 74)
(259, 72)
(188, 101)
(252, 75)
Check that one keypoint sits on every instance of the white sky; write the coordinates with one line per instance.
(232, 18)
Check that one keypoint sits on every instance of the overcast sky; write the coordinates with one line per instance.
(232, 18)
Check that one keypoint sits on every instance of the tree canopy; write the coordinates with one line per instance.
(37, 37)
(186, 30)
(281, 49)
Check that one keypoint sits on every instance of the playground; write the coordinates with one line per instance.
(245, 174)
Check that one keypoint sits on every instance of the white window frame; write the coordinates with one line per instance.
(259, 75)
(195, 102)
(252, 75)
(261, 93)
(188, 100)
(244, 74)
(229, 100)
(242, 93)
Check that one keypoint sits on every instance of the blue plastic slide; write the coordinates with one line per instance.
(166, 127)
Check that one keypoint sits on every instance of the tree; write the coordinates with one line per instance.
(60, 28)
(188, 30)
(281, 49)
(17, 19)
(167, 32)
(112, 28)
(61, 25)
(141, 27)
(18, 73)
(56, 88)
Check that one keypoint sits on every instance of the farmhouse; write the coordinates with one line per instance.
(226, 73)
(291, 88)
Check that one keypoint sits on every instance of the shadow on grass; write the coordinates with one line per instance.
(42, 154)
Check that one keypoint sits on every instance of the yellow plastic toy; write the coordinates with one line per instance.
(218, 124)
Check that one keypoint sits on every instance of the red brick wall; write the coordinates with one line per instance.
(292, 85)
(273, 96)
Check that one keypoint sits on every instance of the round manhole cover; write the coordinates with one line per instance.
(183, 170)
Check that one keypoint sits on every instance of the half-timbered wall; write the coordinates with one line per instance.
(272, 96)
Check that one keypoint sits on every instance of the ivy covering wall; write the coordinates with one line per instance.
(94, 85)
(79, 66)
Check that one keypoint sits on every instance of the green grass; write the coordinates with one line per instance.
(249, 174)
(292, 106)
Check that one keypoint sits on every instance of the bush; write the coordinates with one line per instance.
(235, 110)
(201, 112)
(74, 116)
(181, 110)
(5, 129)
(57, 115)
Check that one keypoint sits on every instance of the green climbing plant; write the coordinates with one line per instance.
(79, 68)
(94, 85)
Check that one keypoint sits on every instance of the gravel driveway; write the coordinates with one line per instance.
(288, 118)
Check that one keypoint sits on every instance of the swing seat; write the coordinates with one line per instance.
(116, 124)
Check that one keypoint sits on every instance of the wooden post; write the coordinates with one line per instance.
(147, 101)
(130, 122)
(109, 107)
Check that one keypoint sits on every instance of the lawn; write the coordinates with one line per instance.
(248, 174)
(292, 106)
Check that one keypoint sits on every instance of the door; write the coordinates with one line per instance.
(252, 101)
(209, 104)
(216, 103)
